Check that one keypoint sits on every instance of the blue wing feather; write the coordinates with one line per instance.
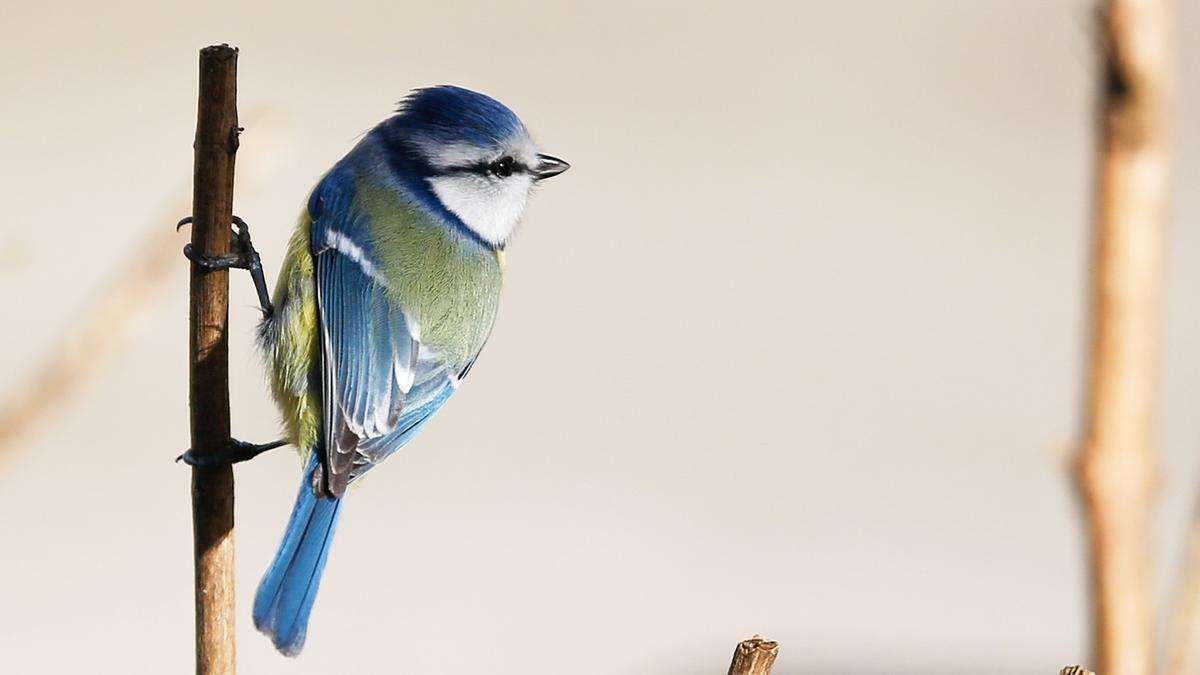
(379, 384)
(430, 391)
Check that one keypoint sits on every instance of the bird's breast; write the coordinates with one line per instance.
(448, 284)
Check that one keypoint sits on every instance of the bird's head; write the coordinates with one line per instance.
(474, 155)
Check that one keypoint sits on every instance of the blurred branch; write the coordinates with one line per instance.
(212, 486)
(89, 345)
(1116, 468)
(1183, 633)
(754, 657)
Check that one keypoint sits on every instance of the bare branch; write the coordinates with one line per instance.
(754, 657)
(212, 487)
(1116, 465)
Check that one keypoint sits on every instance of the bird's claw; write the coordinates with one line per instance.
(187, 220)
(217, 262)
(243, 257)
(236, 451)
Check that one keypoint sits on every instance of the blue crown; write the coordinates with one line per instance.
(448, 114)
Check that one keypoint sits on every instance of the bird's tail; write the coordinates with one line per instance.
(285, 596)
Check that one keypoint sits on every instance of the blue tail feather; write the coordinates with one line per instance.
(285, 596)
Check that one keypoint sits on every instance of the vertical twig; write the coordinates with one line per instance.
(1116, 466)
(212, 487)
(754, 657)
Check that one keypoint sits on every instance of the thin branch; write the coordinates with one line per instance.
(212, 487)
(1116, 467)
(754, 657)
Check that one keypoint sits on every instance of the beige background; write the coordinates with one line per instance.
(794, 348)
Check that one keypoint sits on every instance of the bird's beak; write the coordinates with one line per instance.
(548, 166)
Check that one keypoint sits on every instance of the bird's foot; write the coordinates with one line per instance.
(244, 257)
(236, 451)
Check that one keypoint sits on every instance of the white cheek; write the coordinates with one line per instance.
(491, 208)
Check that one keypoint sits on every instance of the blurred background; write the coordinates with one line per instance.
(795, 348)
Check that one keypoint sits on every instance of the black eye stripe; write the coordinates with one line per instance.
(503, 167)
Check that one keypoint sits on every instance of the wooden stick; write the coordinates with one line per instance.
(212, 487)
(754, 657)
(1116, 468)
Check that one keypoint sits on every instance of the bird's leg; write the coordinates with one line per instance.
(243, 257)
(236, 451)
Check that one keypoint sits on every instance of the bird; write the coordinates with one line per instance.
(386, 295)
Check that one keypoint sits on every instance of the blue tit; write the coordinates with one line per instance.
(386, 296)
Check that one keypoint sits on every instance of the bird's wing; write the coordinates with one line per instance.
(433, 386)
(378, 383)
(368, 361)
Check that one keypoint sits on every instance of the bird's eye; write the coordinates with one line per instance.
(503, 167)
